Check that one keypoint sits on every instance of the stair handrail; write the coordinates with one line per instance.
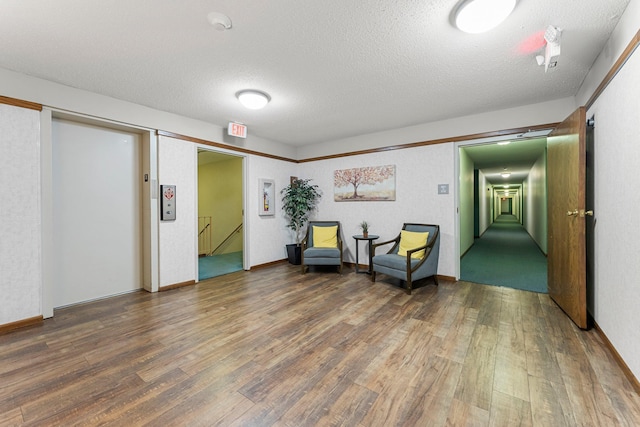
(202, 231)
(227, 238)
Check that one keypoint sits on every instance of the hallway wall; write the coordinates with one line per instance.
(466, 198)
(20, 257)
(535, 206)
(485, 196)
(177, 165)
(617, 230)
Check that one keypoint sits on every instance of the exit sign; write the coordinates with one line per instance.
(236, 129)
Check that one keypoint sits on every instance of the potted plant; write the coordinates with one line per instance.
(365, 229)
(299, 199)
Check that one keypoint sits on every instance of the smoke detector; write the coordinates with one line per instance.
(219, 21)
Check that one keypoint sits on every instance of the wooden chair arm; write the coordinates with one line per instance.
(375, 245)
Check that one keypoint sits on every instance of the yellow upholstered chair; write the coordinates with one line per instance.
(413, 256)
(322, 245)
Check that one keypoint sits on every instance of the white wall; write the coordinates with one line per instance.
(177, 165)
(20, 241)
(484, 196)
(466, 202)
(617, 231)
(268, 235)
(616, 160)
(418, 173)
(535, 218)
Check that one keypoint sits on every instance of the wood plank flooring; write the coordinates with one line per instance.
(272, 347)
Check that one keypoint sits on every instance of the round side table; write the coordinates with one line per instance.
(370, 238)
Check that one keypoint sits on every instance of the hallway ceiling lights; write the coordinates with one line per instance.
(253, 99)
(479, 16)
(505, 174)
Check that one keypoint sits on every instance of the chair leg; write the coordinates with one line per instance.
(304, 268)
(435, 279)
(408, 286)
(373, 276)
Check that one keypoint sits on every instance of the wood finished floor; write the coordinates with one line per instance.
(275, 348)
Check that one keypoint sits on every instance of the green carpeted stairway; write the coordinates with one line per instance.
(506, 255)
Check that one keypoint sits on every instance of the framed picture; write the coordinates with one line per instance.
(267, 193)
(371, 183)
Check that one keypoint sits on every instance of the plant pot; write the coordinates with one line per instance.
(294, 253)
(365, 234)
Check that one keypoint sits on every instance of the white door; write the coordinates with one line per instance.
(96, 212)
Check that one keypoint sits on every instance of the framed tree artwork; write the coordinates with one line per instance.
(371, 183)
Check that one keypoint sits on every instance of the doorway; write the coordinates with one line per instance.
(220, 213)
(502, 201)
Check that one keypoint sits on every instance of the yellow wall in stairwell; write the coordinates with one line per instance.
(220, 197)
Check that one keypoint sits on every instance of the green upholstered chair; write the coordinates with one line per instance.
(406, 267)
(322, 247)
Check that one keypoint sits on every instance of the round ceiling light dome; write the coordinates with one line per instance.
(479, 16)
(253, 99)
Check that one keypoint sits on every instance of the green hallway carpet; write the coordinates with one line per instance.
(507, 256)
(217, 265)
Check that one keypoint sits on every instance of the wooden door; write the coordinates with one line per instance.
(566, 168)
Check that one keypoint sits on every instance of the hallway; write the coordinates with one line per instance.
(506, 256)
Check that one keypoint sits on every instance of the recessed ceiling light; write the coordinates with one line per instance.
(479, 16)
(504, 142)
(253, 99)
(505, 174)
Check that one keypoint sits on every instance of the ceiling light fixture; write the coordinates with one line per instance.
(253, 99)
(504, 142)
(479, 16)
(505, 174)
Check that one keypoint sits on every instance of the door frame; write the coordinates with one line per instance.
(246, 262)
(150, 223)
(468, 143)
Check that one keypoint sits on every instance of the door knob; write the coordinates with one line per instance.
(572, 213)
(587, 213)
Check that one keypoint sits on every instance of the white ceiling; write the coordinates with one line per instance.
(516, 158)
(333, 68)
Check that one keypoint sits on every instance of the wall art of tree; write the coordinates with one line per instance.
(371, 177)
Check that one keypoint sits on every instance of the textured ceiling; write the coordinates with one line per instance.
(333, 68)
